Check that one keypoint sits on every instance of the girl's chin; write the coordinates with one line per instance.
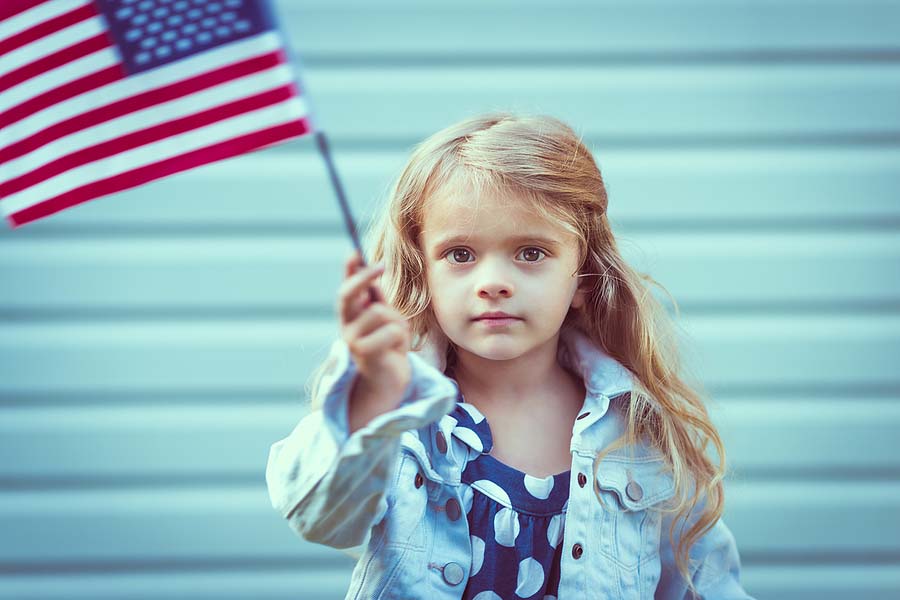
(497, 349)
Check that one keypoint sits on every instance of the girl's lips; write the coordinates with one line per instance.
(498, 321)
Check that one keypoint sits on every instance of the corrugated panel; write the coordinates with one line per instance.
(155, 343)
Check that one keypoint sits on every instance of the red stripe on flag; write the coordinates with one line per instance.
(135, 103)
(11, 8)
(145, 136)
(47, 27)
(63, 92)
(123, 181)
(57, 59)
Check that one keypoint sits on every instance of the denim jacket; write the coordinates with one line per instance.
(380, 493)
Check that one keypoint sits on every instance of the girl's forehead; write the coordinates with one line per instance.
(489, 216)
(465, 207)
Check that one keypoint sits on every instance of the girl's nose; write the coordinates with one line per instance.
(489, 290)
(495, 283)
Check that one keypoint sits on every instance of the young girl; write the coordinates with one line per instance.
(505, 417)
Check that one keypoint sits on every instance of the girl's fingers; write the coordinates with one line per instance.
(382, 339)
(369, 320)
(352, 288)
(352, 264)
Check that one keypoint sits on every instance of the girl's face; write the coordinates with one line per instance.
(484, 254)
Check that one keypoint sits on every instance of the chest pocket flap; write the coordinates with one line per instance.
(637, 483)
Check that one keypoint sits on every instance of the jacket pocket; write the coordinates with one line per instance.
(633, 491)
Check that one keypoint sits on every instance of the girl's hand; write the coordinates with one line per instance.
(377, 335)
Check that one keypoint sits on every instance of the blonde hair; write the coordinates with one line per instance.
(542, 160)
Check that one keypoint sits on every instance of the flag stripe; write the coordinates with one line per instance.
(10, 9)
(46, 28)
(233, 147)
(47, 82)
(170, 146)
(154, 97)
(20, 127)
(63, 92)
(54, 42)
(145, 136)
(57, 59)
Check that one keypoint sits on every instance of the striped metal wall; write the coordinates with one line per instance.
(154, 344)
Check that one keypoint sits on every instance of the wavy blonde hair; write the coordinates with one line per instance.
(541, 160)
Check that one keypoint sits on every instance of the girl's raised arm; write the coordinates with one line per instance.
(330, 475)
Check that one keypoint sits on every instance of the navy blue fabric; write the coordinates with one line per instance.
(516, 521)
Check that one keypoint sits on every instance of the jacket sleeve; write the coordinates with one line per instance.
(331, 485)
(715, 566)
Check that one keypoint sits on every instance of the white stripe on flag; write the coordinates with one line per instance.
(38, 14)
(54, 78)
(130, 86)
(148, 117)
(49, 44)
(290, 110)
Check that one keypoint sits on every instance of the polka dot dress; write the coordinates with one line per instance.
(515, 520)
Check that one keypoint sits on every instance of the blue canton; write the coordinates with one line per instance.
(152, 33)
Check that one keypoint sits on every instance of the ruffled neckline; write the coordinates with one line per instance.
(504, 483)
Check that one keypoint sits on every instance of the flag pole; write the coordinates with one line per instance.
(322, 142)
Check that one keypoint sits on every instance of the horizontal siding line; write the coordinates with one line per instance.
(181, 565)
(848, 474)
(216, 231)
(172, 397)
(777, 559)
(125, 481)
(329, 561)
(294, 396)
(836, 139)
(105, 315)
(499, 59)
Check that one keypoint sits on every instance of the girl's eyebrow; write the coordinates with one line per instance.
(528, 237)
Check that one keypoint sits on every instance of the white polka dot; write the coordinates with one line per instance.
(447, 423)
(487, 595)
(530, 578)
(489, 488)
(467, 495)
(539, 488)
(477, 555)
(476, 415)
(506, 527)
(469, 437)
(555, 530)
(549, 597)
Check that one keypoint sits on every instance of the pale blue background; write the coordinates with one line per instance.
(155, 343)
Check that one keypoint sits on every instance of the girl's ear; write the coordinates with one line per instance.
(579, 298)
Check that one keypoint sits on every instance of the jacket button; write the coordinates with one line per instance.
(583, 415)
(419, 480)
(441, 442)
(582, 479)
(634, 491)
(577, 551)
(453, 573)
(452, 508)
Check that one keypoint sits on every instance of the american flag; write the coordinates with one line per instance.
(99, 96)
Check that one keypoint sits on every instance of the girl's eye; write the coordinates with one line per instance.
(532, 254)
(532, 250)
(459, 255)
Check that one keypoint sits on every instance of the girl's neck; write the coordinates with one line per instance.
(518, 385)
